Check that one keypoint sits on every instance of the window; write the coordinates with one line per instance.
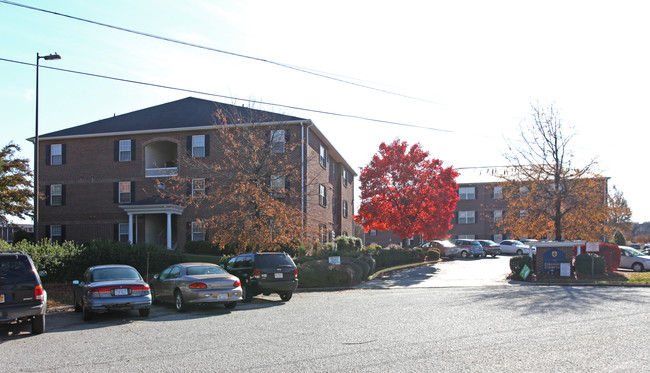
(323, 233)
(497, 238)
(125, 150)
(56, 233)
(198, 187)
(345, 209)
(56, 154)
(523, 214)
(197, 231)
(497, 215)
(125, 192)
(198, 146)
(467, 193)
(277, 185)
(466, 236)
(56, 195)
(346, 177)
(523, 191)
(497, 192)
(278, 140)
(373, 232)
(322, 195)
(466, 217)
(123, 232)
(322, 159)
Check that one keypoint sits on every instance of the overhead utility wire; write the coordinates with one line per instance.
(296, 68)
(228, 97)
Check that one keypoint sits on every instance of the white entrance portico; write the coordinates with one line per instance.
(154, 226)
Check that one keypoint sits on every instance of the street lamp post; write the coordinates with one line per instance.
(49, 57)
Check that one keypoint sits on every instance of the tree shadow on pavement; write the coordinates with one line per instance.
(401, 278)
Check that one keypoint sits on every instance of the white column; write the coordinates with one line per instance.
(169, 230)
(131, 228)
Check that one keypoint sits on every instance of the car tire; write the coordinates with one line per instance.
(484, 255)
(144, 312)
(154, 300)
(86, 314)
(286, 295)
(463, 254)
(637, 267)
(38, 324)
(477, 256)
(77, 306)
(230, 305)
(520, 252)
(494, 255)
(246, 294)
(179, 302)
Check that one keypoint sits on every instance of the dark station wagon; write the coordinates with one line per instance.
(265, 273)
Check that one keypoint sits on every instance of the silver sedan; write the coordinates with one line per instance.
(196, 283)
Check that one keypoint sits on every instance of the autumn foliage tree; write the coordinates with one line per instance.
(406, 192)
(16, 188)
(252, 198)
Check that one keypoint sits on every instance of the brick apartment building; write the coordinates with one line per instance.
(98, 178)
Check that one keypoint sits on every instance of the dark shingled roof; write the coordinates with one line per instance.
(185, 113)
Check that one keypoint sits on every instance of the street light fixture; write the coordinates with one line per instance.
(49, 57)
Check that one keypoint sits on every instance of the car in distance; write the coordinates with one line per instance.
(185, 284)
(112, 287)
(22, 297)
(490, 247)
(469, 247)
(446, 248)
(634, 259)
(265, 273)
(515, 247)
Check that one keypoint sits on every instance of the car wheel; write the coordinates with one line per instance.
(77, 306)
(87, 314)
(38, 324)
(144, 312)
(286, 295)
(519, 252)
(230, 305)
(246, 294)
(484, 254)
(637, 267)
(179, 302)
(494, 255)
(463, 254)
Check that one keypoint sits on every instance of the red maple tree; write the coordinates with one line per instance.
(405, 192)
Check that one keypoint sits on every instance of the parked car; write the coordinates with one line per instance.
(515, 247)
(469, 247)
(490, 248)
(112, 287)
(634, 259)
(446, 248)
(185, 284)
(22, 297)
(265, 273)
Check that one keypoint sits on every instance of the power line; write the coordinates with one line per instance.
(317, 73)
(229, 97)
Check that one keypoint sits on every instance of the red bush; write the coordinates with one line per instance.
(610, 252)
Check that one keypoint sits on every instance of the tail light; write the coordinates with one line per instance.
(38, 292)
(140, 287)
(198, 285)
(103, 289)
(257, 274)
(295, 273)
(236, 284)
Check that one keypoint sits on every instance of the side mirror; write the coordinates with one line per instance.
(42, 273)
(155, 277)
(75, 282)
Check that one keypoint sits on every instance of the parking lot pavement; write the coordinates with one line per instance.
(460, 272)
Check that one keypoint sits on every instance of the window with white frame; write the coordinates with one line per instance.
(497, 238)
(198, 233)
(125, 150)
(373, 232)
(466, 217)
(56, 154)
(523, 191)
(56, 233)
(278, 184)
(346, 177)
(497, 192)
(278, 140)
(497, 215)
(345, 209)
(322, 195)
(123, 232)
(467, 193)
(322, 229)
(322, 156)
(198, 187)
(523, 214)
(56, 195)
(198, 146)
(125, 192)
(466, 236)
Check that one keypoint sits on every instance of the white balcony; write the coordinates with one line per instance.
(161, 172)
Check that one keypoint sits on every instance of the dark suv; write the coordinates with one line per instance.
(22, 297)
(265, 273)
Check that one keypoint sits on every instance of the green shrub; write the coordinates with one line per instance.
(52, 257)
(433, 255)
(201, 248)
(397, 256)
(319, 273)
(583, 264)
(517, 264)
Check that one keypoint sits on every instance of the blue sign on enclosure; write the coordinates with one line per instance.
(552, 260)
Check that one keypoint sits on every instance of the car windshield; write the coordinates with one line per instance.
(113, 274)
(205, 270)
(15, 268)
(518, 243)
(489, 243)
(634, 252)
(475, 243)
(273, 260)
(446, 243)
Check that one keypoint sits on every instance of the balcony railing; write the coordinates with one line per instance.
(161, 172)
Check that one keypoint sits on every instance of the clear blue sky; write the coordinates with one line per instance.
(476, 66)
